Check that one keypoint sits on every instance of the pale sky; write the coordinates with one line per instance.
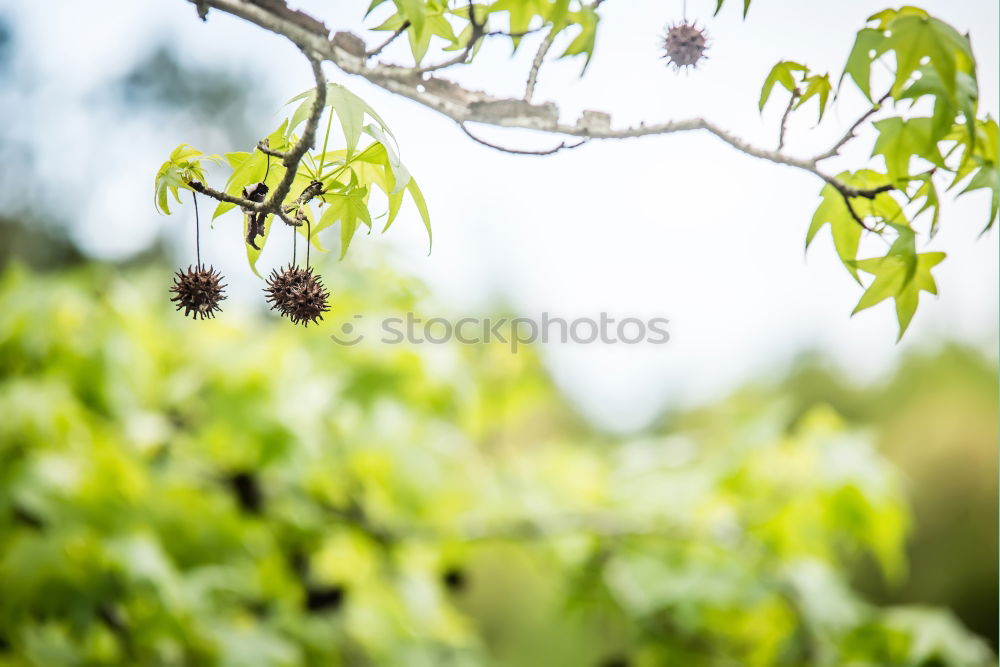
(680, 226)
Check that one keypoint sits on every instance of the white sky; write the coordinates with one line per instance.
(680, 226)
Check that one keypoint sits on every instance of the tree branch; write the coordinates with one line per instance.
(290, 160)
(294, 156)
(463, 105)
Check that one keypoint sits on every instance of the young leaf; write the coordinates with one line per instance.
(981, 159)
(585, 41)
(845, 229)
(183, 166)
(988, 177)
(350, 110)
(891, 280)
(901, 140)
(400, 174)
(415, 12)
(868, 46)
(946, 106)
(418, 199)
(816, 85)
(782, 73)
(928, 192)
(914, 37)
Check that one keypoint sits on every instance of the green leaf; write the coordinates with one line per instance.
(928, 192)
(894, 278)
(183, 166)
(887, 16)
(817, 85)
(901, 140)
(415, 12)
(389, 158)
(988, 177)
(559, 15)
(585, 41)
(868, 46)
(946, 106)
(521, 12)
(915, 37)
(783, 73)
(168, 180)
(350, 110)
(981, 159)
(845, 229)
(418, 199)
(354, 210)
(373, 5)
(719, 3)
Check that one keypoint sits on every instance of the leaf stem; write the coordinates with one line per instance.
(197, 228)
(326, 140)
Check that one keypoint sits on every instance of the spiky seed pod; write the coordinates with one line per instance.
(297, 294)
(198, 291)
(308, 300)
(279, 287)
(684, 45)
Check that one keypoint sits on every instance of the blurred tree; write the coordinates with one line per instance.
(250, 497)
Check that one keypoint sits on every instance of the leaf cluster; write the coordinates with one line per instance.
(461, 26)
(899, 198)
(347, 177)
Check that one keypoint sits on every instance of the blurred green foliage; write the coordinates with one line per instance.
(238, 492)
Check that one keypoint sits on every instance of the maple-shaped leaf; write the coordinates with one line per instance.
(901, 277)
(901, 140)
(846, 231)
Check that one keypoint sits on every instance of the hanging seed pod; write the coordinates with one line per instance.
(198, 291)
(297, 294)
(684, 45)
(308, 300)
(279, 287)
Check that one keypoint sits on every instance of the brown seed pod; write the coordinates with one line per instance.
(684, 45)
(279, 287)
(297, 294)
(198, 291)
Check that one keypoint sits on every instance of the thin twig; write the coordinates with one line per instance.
(536, 65)
(378, 49)
(515, 151)
(848, 192)
(197, 229)
(784, 118)
(309, 235)
(851, 132)
(264, 147)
